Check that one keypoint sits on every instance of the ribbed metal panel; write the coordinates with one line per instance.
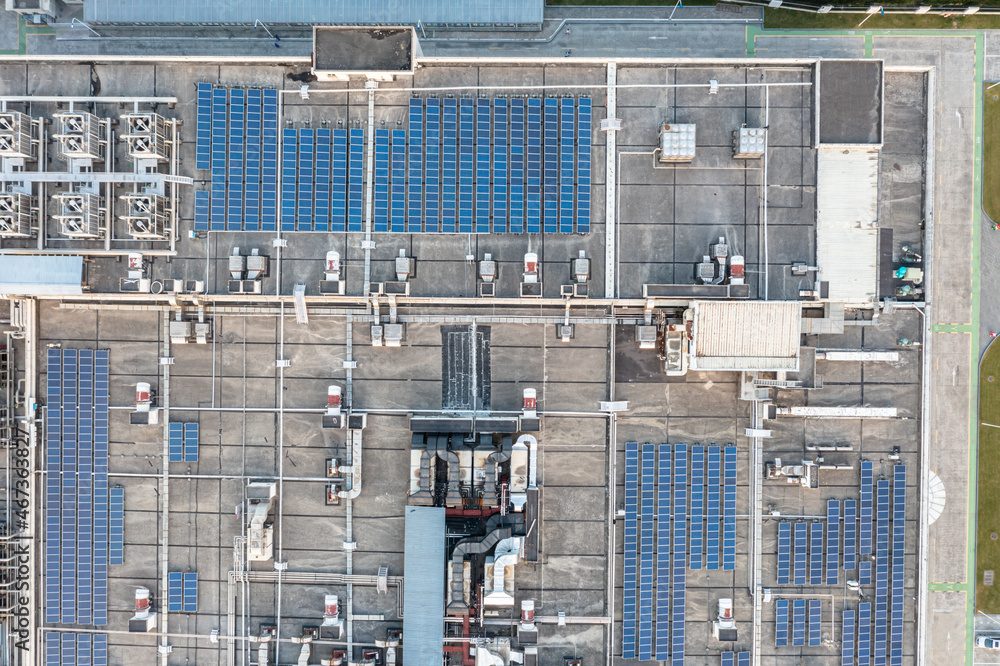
(316, 12)
(749, 335)
(846, 223)
(29, 275)
(423, 595)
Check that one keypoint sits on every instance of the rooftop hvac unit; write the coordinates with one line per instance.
(145, 216)
(79, 136)
(80, 214)
(146, 136)
(16, 213)
(748, 142)
(676, 143)
(16, 134)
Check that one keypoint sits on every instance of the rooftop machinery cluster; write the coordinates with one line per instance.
(91, 198)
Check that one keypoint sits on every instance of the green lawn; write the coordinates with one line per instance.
(988, 511)
(991, 153)
(790, 19)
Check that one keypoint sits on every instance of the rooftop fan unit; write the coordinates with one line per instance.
(146, 216)
(16, 214)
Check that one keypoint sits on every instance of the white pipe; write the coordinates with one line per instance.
(532, 444)
(586, 86)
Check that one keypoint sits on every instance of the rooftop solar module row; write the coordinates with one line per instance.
(848, 631)
(898, 560)
(865, 545)
(832, 542)
(116, 523)
(815, 553)
(73, 649)
(729, 509)
(713, 508)
(645, 651)
(798, 622)
(697, 506)
(864, 634)
(850, 534)
(801, 552)
(784, 553)
(781, 623)
(881, 621)
(76, 487)
(630, 547)
(815, 622)
(679, 596)
(663, 562)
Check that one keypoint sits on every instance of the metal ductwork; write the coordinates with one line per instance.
(474, 546)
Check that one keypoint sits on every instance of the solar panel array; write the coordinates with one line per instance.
(781, 623)
(864, 634)
(801, 552)
(815, 553)
(815, 622)
(237, 139)
(697, 506)
(848, 631)
(798, 622)
(832, 542)
(784, 553)
(850, 534)
(73, 649)
(898, 552)
(183, 442)
(76, 487)
(866, 508)
(662, 529)
(116, 525)
(729, 510)
(713, 509)
(182, 592)
(881, 571)
(735, 659)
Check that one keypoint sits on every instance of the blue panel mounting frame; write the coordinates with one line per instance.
(864, 634)
(801, 553)
(269, 160)
(781, 623)
(190, 593)
(175, 592)
(175, 439)
(52, 649)
(727, 659)
(784, 553)
(288, 179)
(68, 649)
(697, 506)
(798, 622)
(415, 201)
(583, 166)
(630, 547)
(483, 166)
(397, 193)
(355, 179)
(101, 530)
(116, 526)
(466, 135)
(219, 140)
(234, 196)
(865, 538)
(190, 442)
(323, 171)
(550, 193)
(663, 563)
(898, 562)
(729, 509)
(338, 181)
(533, 168)
(646, 547)
(432, 167)
(832, 542)
(847, 632)
(816, 553)
(881, 622)
(252, 178)
(517, 166)
(501, 195)
(449, 166)
(679, 591)
(815, 622)
(850, 534)
(567, 162)
(713, 508)
(203, 150)
(306, 163)
(743, 659)
(381, 176)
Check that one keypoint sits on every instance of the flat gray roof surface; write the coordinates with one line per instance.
(356, 49)
(850, 101)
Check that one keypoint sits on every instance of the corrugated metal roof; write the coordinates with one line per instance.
(423, 593)
(846, 216)
(746, 335)
(314, 12)
(41, 275)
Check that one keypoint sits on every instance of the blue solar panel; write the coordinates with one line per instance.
(781, 623)
(864, 634)
(355, 177)
(323, 169)
(234, 196)
(100, 557)
(190, 593)
(116, 525)
(381, 175)
(729, 509)
(697, 504)
(201, 202)
(517, 166)
(84, 654)
(743, 659)
(175, 592)
(865, 545)
(269, 160)
(630, 548)
(338, 181)
(251, 197)
(784, 553)
(679, 559)
(432, 167)
(483, 166)
(465, 165)
(832, 542)
(646, 552)
(663, 554)
(815, 622)
(847, 631)
(68, 523)
(449, 166)
(881, 623)
(175, 435)
(801, 551)
(53, 483)
(203, 150)
(218, 208)
(583, 167)
(550, 192)
(850, 534)
(304, 221)
(799, 622)
(865, 572)
(415, 208)
(52, 649)
(500, 192)
(712, 508)
(898, 559)
(533, 167)
(815, 553)
(288, 178)
(190, 442)
(728, 659)
(567, 145)
(85, 480)
(397, 195)
(69, 649)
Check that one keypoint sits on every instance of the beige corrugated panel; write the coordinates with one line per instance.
(846, 213)
(746, 335)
